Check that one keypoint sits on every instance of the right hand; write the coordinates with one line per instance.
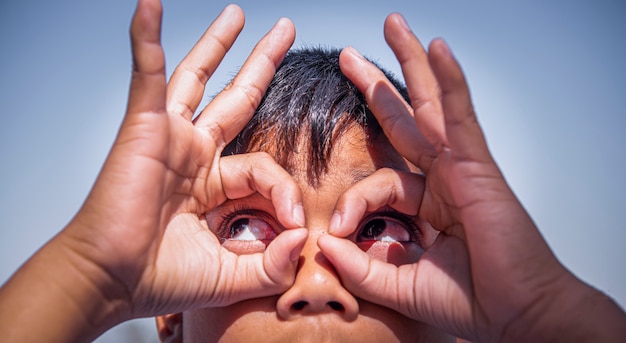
(140, 246)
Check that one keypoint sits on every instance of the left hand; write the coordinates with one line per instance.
(489, 276)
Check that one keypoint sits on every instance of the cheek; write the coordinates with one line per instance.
(392, 252)
(256, 321)
(236, 322)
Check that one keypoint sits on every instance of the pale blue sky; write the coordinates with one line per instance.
(547, 81)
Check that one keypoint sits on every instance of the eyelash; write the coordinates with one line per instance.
(226, 219)
(407, 222)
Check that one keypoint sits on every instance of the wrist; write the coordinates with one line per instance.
(595, 318)
(59, 294)
(573, 312)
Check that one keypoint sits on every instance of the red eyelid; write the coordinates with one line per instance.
(397, 253)
(245, 247)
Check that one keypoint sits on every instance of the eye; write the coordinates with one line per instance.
(241, 223)
(386, 229)
(244, 227)
(249, 229)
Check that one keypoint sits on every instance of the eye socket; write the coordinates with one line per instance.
(386, 228)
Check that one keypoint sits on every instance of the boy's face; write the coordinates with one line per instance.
(317, 307)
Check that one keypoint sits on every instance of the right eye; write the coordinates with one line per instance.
(384, 229)
(241, 229)
(250, 229)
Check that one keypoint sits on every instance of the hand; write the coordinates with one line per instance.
(140, 245)
(489, 276)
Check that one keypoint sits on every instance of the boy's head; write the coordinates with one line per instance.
(308, 106)
(317, 125)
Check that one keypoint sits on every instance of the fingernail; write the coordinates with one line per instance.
(230, 11)
(298, 215)
(282, 22)
(443, 47)
(402, 21)
(229, 8)
(355, 53)
(335, 222)
(294, 255)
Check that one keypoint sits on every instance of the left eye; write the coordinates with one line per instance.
(250, 229)
(386, 230)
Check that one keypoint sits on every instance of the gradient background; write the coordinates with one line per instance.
(547, 81)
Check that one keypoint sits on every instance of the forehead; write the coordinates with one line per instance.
(354, 155)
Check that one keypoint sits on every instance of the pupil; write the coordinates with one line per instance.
(374, 228)
(238, 225)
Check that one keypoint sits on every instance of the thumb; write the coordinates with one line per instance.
(280, 259)
(435, 290)
(262, 274)
(363, 276)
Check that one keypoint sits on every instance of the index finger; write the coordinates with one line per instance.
(386, 187)
(245, 174)
(388, 106)
(422, 85)
(186, 86)
(230, 110)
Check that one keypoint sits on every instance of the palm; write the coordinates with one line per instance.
(489, 247)
(164, 171)
(176, 181)
(187, 250)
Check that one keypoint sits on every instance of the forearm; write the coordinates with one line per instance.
(56, 297)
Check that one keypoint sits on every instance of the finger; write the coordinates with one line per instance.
(228, 113)
(386, 187)
(246, 174)
(147, 87)
(422, 85)
(186, 86)
(464, 133)
(393, 113)
(280, 259)
(363, 276)
(258, 275)
(435, 290)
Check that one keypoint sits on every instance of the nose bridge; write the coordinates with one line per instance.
(317, 288)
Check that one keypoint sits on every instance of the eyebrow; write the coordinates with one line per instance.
(254, 200)
(359, 174)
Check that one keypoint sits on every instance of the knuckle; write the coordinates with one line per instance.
(251, 93)
(200, 72)
(217, 134)
(180, 109)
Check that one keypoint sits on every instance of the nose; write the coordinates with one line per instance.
(317, 289)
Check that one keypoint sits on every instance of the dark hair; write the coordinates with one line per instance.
(308, 104)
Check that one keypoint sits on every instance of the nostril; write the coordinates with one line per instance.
(336, 306)
(299, 305)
